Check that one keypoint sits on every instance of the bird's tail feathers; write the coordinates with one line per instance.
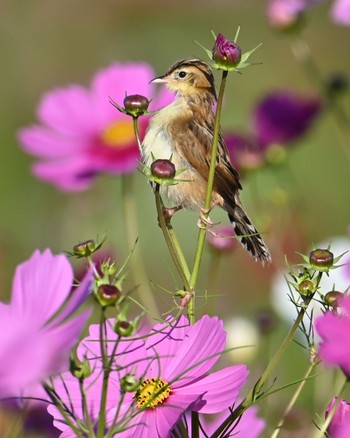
(248, 234)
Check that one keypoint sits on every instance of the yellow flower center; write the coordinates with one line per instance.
(118, 134)
(152, 393)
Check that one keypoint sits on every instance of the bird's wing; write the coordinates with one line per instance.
(195, 145)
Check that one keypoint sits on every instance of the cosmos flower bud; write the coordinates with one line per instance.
(136, 105)
(332, 298)
(129, 384)
(108, 294)
(80, 370)
(321, 259)
(163, 169)
(123, 328)
(84, 249)
(226, 53)
(306, 287)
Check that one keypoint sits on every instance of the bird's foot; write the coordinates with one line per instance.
(204, 220)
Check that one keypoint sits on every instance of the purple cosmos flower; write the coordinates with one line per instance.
(36, 337)
(283, 116)
(226, 53)
(341, 418)
(334, 329)
(80, 134)
(177, 358)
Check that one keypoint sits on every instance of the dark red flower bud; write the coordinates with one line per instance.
(136, 105)
(226, 53)
(321, 259)
(163, 169)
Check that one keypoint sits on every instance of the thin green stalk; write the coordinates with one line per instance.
(254, 394)
(57, 403)
(106, 372)
(202, 232)
(178, 259)
(195, 425)
(294, 398)
(85, 410)
(145, 293)
(322, 431)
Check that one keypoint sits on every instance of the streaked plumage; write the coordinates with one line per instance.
(184, 131)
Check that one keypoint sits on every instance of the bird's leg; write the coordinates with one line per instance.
(204, 220)
(168, 213)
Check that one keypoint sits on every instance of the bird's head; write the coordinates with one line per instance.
(188, 76)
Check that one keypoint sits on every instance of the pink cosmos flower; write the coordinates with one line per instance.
(36, 337)
(249, 425)
(81, 135)
(284, 13)
(179, 357)
(334, 330)
(341, 419)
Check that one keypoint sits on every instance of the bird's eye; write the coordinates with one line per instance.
(182, 74)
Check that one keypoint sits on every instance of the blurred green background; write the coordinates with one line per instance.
(46, 43)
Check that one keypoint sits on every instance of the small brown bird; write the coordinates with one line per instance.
(183, 131)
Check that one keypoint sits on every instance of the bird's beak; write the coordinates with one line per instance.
(160, 80)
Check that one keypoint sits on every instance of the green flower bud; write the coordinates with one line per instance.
(80, 370)
(123, 328)
(108, 294)
(321, 259)
(84, 249)
(129, 383)
(332, 298)
(306, 287)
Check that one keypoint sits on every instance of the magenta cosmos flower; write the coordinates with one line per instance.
(249, 425)
(36, 338)
(341, 419)
(81, 135)
(177, 358)
(334, 330)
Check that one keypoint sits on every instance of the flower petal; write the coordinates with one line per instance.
(41, 285)
(68, 111)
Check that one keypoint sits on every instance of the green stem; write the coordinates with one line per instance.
(321, 433)
(106, 372)
(293, 400)
(145, 294)
(178, 258)
(202, 232)
(85, 409)
(58, 405)
(254, 394)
